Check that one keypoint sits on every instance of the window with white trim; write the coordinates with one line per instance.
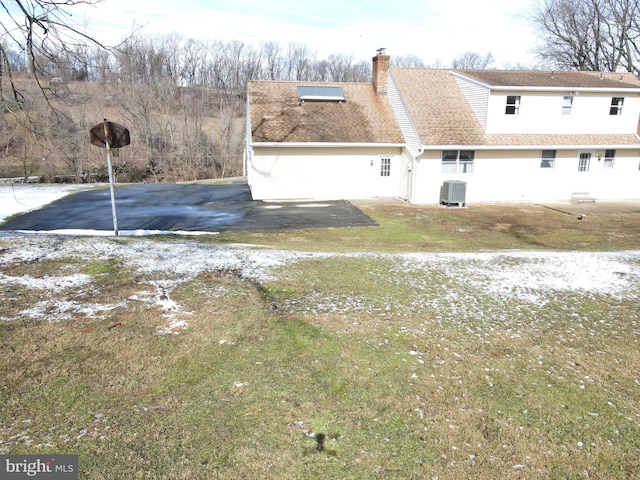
(583, 162)
(567, 103)
(609, 157)
(616, 106)
(385, 167)
(457, 162)
(513, 105)
(548, 159)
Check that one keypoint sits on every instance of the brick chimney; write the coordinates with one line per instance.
(380, 71)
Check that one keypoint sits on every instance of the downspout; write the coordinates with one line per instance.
(414, 172)
(246, 155)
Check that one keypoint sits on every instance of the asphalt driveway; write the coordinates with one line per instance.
(185, 207)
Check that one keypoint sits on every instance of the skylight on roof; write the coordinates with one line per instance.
(317, 93)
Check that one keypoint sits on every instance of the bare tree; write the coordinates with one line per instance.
(46, 32)
(274, 67)
(299, 62)
(597, 35)
(69, 143)
(473, 61)
(407, 61)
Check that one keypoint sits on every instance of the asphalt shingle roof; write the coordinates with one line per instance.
(277, 116)
(439, 111)
(551, 79)
(442, 116)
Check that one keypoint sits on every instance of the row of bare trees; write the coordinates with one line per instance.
(224, 66)
(597, 35)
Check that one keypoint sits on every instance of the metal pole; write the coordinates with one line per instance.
(113, 195)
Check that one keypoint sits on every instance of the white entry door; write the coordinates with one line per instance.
(387, 176)
(584, 177)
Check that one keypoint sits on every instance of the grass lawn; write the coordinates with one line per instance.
(388, 359)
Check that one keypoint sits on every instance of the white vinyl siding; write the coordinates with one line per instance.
(404, 120)
(477, 95)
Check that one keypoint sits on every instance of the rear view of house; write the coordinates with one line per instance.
(506, 136)
(323, 141)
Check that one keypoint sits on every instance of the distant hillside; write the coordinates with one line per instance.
(177, 133)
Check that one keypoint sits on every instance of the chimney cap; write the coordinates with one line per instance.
(381, 50)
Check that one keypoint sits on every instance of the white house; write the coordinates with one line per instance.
(426, 134)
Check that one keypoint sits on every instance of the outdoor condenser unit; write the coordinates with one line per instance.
(453, 192)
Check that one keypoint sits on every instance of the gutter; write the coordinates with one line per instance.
(534, 88)
(531, 147)
(324, 145)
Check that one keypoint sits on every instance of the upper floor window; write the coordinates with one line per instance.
(457, 161)
(609, 156)
(513, 105)
(567, 103)
(616, 106)
(385, 167)
(548, 159)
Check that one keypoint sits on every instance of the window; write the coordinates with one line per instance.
(320, 93)
(457, 161)
(609, 156)
(513, 105)
(548, 159)
(567, 102)
(583, 163)
(385, 167)
(616, 106)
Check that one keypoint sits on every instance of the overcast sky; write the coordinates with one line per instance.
(433, 30)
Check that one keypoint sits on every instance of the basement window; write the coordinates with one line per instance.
(320, 93)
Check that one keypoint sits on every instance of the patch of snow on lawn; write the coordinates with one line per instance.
(523, 273)
(53, 284)
(61, 310)
(24, 198)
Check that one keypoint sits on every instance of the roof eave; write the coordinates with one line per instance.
(551, 146)
(515, 88)
(520, 88)
(323, 144)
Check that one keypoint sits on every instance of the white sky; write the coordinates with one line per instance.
(433, 30)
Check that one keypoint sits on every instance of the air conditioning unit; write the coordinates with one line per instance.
(453, 192)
